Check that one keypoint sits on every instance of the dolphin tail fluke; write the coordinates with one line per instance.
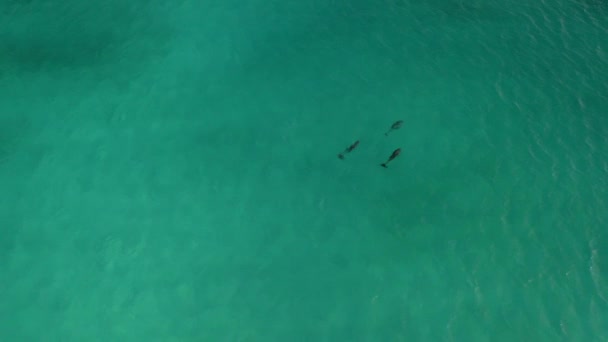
(384, 165)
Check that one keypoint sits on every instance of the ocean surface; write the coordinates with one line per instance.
(169, 170)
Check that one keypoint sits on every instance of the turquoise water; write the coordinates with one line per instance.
(169, 171)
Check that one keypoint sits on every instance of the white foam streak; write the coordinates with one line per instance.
(595, 272)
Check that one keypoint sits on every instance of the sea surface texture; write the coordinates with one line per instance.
(169, 170)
